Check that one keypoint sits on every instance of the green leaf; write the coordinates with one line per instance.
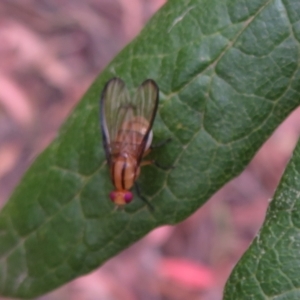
(228, 72)
(270, 268)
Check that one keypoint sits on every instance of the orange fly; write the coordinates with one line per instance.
(126, 124)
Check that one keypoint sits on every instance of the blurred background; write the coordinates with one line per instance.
(50, 52)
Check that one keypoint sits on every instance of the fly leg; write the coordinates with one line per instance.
(118, 208)
(161, 143)
(164, 168)
(155, 163)
(138, 191)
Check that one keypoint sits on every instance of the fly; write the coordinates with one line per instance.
(126, 124)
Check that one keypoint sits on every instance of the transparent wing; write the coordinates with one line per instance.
(146, 102)
(114, 97)
(125, 121)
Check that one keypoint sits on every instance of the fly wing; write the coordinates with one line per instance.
(118, 113)
(113, 103)
(146, 103)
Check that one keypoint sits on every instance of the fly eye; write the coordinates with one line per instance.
(128, 197)
(112, 196)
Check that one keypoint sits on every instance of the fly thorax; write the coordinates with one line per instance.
(124, 172)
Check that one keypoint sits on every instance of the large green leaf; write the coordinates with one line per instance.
(228, 71)
(270, 268)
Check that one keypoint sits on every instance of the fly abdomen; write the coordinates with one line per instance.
(130, 136)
